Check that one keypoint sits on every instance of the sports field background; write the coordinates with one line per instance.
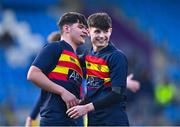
(148, 31)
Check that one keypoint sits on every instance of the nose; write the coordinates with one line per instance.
(101, 34)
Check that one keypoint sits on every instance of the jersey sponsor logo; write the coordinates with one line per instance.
(68, 68)
(94, 82)
(97, 67)
(74, 77)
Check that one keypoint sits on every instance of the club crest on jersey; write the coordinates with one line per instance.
(72, 59)
(99, 67)
(88, 64)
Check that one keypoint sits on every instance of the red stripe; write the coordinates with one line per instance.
(59, 76)
(97, 73)
(96, 60)
(70, 54)
(107, 83)
(71, 65)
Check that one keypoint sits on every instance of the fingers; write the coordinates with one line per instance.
(73, 113)
(79, 101)
(68, 106)
(69, 99)
(135, 86)
(75, 116)
(69, 110)
(130, 76)
(72, 103)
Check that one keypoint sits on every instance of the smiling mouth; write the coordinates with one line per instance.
(100, 41)
(83, 36)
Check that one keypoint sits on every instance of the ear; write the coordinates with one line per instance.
(110, 30)
(66, 28)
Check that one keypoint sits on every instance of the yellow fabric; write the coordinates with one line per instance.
(68, 58)
(35, 123)
(85, 118)
(97, 67)
(107, 79)
(60, 69)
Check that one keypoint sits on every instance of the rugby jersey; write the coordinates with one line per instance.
(60, 64)
(106, 69)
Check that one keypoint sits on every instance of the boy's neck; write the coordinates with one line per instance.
(97, 49)
(69, 41)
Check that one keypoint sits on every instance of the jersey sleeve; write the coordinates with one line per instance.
(112, 97)
(47, 57)
(34, 113)
(118, 69)
(118, 74)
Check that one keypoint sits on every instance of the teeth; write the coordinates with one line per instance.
(100, 40)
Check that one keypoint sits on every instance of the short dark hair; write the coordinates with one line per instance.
(100, 20)
(71, 18)
(54, 36)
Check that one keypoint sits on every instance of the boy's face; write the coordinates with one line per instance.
(99, 38)
(78, 33)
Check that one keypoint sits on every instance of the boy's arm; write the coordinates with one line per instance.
(41, 80)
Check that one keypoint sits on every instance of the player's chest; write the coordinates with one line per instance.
(68, 68)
